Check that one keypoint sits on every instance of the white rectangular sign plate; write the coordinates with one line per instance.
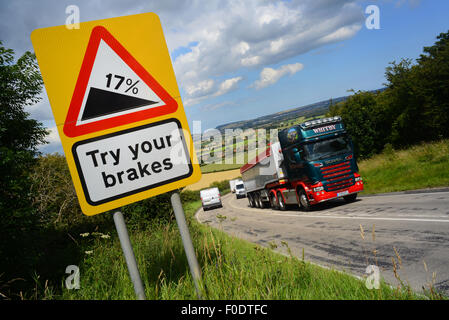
(131, 161)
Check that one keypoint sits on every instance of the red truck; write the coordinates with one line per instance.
(312, 162)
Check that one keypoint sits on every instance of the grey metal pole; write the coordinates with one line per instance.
(187, 241)
(129, 255)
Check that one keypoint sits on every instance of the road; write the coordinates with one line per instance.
(416, 226)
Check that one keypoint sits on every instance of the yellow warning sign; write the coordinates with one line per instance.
(118, 110)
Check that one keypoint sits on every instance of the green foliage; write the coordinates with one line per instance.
(143, 214)
(20, 85)
(413, 108)
(52, 191)
(361, 116)
(54, 198)
(190, 196)
(223, 185)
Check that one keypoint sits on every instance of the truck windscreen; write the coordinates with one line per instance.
(327, 148)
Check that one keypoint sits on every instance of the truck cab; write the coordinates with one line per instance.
(319, 160)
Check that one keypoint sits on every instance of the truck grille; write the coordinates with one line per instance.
(338, 176)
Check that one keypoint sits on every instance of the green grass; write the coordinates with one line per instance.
(231, 269)
(217, 167)
(419, 167)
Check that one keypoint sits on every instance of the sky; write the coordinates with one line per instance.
(237, 60)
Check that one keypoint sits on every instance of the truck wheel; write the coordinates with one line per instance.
(281, 202)
(273, 202)
(259, 201)
(251, 201)
(350, 198)
(303, 202)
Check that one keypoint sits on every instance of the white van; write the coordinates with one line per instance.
(240, 189)
(210, 198)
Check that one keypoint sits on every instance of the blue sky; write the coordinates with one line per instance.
(238, 60)
(329, 71)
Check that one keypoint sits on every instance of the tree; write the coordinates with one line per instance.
(434, 86)
(404, 103)
(361, 118)
(413, 108)
(20, 86)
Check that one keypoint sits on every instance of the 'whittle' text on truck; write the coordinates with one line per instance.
(312, 162)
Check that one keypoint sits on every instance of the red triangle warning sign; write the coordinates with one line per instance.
(113, 89)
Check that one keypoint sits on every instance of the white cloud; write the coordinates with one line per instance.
(53, 137)
(208, 90)
(250, 61)
(241, 48)
(224, 37)
(200, 89)
(228, 85)
(234, 35)
(40, 111)
(54, 142)
(269, 76)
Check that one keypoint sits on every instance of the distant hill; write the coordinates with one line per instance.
(307, 111)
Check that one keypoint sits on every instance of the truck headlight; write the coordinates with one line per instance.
(318, 189)
(357, 179)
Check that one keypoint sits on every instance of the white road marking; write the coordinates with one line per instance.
(341, 217)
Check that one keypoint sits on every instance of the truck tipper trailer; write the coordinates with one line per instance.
(313, 162)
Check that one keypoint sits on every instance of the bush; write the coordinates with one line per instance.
(223, 185)
(190, 196)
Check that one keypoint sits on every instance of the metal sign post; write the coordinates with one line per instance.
(187, 241)
(129, 255)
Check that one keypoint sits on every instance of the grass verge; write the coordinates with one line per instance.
(421, 166)
(231, 268)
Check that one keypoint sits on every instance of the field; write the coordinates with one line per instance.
(208, 178)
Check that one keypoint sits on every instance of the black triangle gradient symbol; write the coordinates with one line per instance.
(102, 102)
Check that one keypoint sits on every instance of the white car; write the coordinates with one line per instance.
(210, 198)
(240, 191)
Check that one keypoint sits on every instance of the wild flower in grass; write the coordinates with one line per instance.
(89, 252)
(273, 245)
(105, 236)
(84, 234)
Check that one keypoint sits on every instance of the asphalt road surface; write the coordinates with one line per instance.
(415, 225)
